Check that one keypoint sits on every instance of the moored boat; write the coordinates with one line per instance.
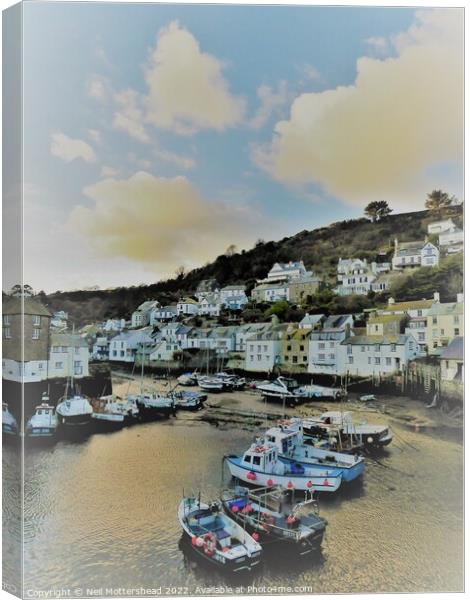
(342, 424)
(210, 384)
(44, 422)
(268, 514)
(261, 465)
(188, 400)
(153, 405)
(108, 413)
(188, 379)
(9, 424)
(287, 436)
(75, 411)
(216, 537)
(286, 389)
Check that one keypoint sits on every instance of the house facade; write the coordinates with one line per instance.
(301, 289)
(453, 237)
(230, 291)
(271, 292)
(141, 316)
(295, 348)
(187, 307)
(415, 254)
(287, 271)
(263, 350)
(163, 314)
(68, 356)
(206, 287)
(210, 305)
(323, 356)
(445, 321)
(123, 347)
(27, 362)
(311, 321)
(356, 276)
(373, 355)
(440, 226)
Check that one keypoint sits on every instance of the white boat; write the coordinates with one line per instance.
(44, 421)
(210, 384)
(289, 441)
(75, 411)
(280, 389)
(9, 424)
(188, 379)
(261, 465)
(286, 389)
(187, 400)
(217, 538)
(152, 405)
(108, 413)
(342, 423)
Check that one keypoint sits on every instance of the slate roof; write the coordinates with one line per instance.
(68, 339)
(454, 351)
(31, 306)
(445, 308)
(410, 305)
(364, 340)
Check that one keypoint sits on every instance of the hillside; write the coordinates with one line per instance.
(319, 249)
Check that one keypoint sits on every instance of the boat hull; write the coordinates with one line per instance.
(9, 429)
(41, 432)
(323, 482)
(153, 413)
(348, 473)
(81, 420)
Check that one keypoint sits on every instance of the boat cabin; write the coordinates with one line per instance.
(289, 383)
(44, 409)
(260, 456)
(284, 438)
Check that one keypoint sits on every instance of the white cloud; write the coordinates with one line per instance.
(161, 222)
(187, 90)
(271, 102)
(129, 116)
(98, 88)
(69, 149)
(380, 45)
(379, 138)
(109, 171)
(94, 135)
(179, 160)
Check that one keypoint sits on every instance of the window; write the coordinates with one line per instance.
(456, 331)
(434, 333)
(434, 344)
(349, 349)
(6, 319)
(442, 332)
(6, 333)
(363, 348)
(289, 348)
(376, 327)
(40, 366)
(122, 352)
(369, 360)
(332, 356)
(388, 361)
(456, 319)
(252, 358)
(302, 348)
(114, 352)
(321, 346)
(36, 333)
(377, 360)
(58, 365)
(304, 359)
(377, 347)
(286, 358)
(36, 320)
(421, 336)
(350, 359)
(434, 320)
(259, 357)
(294, 359)
(447, 364)
(266, 348)
(321, 357)
(420, 313)
(332, 344)
(247, 459)
(393, 348)
(257, 460)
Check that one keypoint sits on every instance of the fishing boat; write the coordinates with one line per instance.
(261, 465)
(74, 411)
(216, 537)
(9, 424)
(108, 413)
(188, 379)
(231, 381)
(153, 405)
(342, 424)
(211, 384)
(269, 516)
(287, 436)
(187, 400)
(44, 422)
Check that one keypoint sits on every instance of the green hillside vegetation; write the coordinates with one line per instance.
(320, 250)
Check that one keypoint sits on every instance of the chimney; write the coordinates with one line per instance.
(437, 297)
(460, 297)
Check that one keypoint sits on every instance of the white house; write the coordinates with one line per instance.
(163, 314)
(141, 316)
(453, 237)
(310, 321)
(201, 338)
(263, 350)
(59, 320)
(243, 332)
(68, 356)
(187, 306)
(210, 305)
(223, 339)
(229, 291)
(356, 276)
(114, 325)
(236, 302)
(207, 287)
(286, 272)
(451, 360)
(163, 350)
(366, 355)
(270, 292)
(100, 349)
(323, 353)
(415, 254)
(440, 226)
(123, 347)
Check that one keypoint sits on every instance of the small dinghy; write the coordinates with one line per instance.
(44, 422)
(75, 411)
(269, 516)
(216, 537)
(9, 424)
(261, 465)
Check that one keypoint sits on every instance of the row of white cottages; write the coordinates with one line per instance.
(332, 349)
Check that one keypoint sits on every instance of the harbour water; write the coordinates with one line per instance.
(100, 514)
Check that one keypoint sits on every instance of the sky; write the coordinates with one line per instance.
(155, 136)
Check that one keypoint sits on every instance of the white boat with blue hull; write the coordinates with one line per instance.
(288, 391)
(216, 537)
(260, 465)
(9, 424)
(75, 411)
(44, 422)
(289, 441)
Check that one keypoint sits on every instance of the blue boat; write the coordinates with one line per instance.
(289, 441)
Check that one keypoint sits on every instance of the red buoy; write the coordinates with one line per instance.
(309, 484)
(290, 485)
(270, 483)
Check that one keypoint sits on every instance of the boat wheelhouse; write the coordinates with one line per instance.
(288, 438)
(44, 422)
(260, 465)
(217, 538)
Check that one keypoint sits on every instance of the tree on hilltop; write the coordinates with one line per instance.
(377, 210)
(437, 200)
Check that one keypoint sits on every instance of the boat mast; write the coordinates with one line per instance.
(142, 373)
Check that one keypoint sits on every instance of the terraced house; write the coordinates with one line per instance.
(263, 350)
(444, 322)
(294, 349)
(324, 344)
